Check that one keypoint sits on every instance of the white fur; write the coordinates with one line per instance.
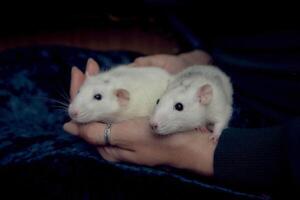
(145, 85)
(183, 89)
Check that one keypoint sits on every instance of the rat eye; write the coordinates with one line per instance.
(157, 102)
(98, 97)
(178, 106)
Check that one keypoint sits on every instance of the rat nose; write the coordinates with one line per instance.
(73, 113)
(153, 126)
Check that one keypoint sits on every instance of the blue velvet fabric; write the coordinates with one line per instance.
(39, 160)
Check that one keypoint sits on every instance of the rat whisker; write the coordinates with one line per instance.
(83, 115)
(38, 97)
(65, 98)
(59, 102)
(60, 106)
(62, 110)
(49, 100)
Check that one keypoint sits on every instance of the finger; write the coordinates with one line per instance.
(77, 78)
(141, 61)
(93, 133)
(71, 128)
(132, 64)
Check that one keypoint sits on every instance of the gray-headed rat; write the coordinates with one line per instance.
(196, 97)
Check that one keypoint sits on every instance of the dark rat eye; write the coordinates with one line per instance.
(178, 106)
(157, 102)
(98, 97)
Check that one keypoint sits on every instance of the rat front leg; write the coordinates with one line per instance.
(217, 131)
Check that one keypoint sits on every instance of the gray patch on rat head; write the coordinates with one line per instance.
(186, 87)
(182, 90)
(219, 79)
(106, 81)
(191, 74)
(186, 84)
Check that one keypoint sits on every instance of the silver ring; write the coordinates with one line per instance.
(107, 134)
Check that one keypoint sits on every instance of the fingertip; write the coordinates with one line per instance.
(90, 60)
(132, 65)
(139, 60)
(71, 128)
(92, 67)
(74, 68)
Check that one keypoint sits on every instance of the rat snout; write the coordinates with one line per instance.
(73, 113)
(154, 125)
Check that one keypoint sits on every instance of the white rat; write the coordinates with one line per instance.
(119, 94)
(197, 97)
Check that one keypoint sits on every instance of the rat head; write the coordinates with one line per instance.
(97, 99)
(181, 109)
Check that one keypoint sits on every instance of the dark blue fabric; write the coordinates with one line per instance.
(265, 72)
(39, 160)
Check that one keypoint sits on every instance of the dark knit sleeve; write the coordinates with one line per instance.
(252, 158)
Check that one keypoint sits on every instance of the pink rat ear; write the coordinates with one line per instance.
(123, 96)
(92, 68)
(205, 94)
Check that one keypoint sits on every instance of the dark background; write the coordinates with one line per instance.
(138, 25)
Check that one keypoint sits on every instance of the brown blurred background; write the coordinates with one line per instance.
(137, 25)
(143, 33)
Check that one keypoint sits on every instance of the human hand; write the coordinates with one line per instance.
(133, 140)
(174, 64)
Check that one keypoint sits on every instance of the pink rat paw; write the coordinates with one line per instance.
(202, 129)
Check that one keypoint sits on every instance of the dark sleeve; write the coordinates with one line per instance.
(266, 158)
(293, 149)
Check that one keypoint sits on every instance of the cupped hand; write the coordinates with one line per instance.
(133, 141)
(174, 63)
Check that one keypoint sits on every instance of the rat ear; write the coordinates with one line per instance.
(123, 96)
(92, 68)
(205, 94)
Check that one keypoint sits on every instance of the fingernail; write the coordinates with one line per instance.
(90, 60)
(73, 69)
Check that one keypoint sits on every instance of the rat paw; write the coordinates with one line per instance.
(202, 129)
(214, 138)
